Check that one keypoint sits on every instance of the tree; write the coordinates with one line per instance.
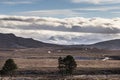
(61, 66)
(67, 64)
(9, 67)
(70, 64)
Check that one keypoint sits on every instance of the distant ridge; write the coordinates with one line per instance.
(12, 41)
(110, 44)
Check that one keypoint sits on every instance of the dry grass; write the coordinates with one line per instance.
(35, 63)
(99, 63)
(38, 63)
(28, 59)
(80, 77)
(32, 58)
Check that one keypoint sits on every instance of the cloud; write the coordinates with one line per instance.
(81, 38)
(73, 12)
(76, 30)
(96, 1)
(99, 8)
(88, 1)
(16, 2)
(63, 12)
(76, 24)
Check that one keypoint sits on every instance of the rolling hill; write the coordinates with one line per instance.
(110, 44)
(12, 41)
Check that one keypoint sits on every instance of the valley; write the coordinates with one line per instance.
(44, 61)
(40, 59)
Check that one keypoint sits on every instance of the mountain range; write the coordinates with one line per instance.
(12, 41)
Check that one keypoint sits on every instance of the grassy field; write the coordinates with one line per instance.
(43, 63)
(37, 63)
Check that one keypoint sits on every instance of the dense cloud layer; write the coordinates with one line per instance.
(75, 30)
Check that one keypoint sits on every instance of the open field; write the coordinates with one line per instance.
(43, 62)
(37, 63)
(36, 58)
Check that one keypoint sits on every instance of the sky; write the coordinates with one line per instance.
(61, 21)
(61, 8)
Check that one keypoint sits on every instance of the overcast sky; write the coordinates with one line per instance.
(62, 21)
